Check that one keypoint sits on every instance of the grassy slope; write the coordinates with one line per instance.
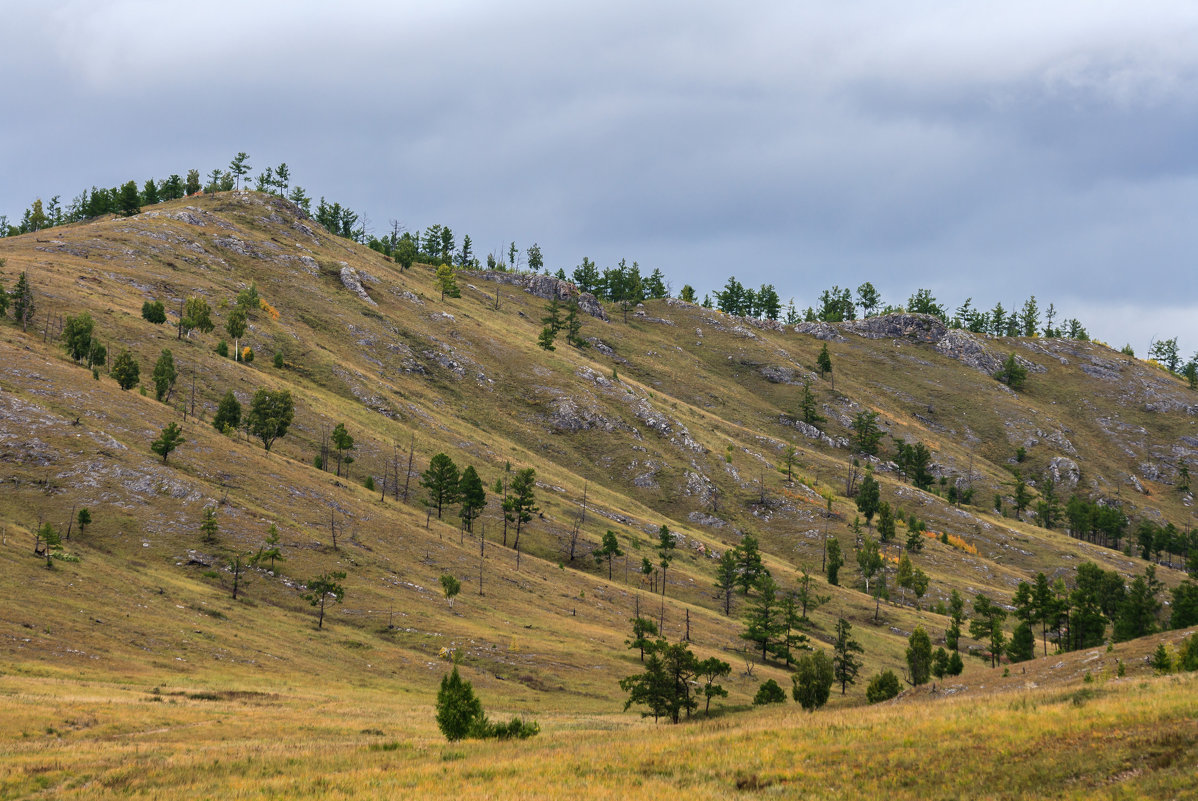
(547, 639)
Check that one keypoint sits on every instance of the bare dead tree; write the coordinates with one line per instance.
(577, 528)
(408, 478)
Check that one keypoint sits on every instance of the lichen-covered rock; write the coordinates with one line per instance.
(1064, 471)
(918, 327)
(825, 331)
(351, 281)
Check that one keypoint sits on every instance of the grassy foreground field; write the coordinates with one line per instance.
(1115, 738)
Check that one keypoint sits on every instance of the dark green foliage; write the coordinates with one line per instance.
(883, 687)
(458, 710)
(869, 495)
(270, 415)
(573, 325)
(913, 461)
(344, 443)
(764, 624)
(665, 687)
(707, 672)
(77, 336)
(128, 200)
(170, 439)
(153, 312)
(749, 566)
(323, 586)
(807, 407)
(520, 504)
(278, 360)
(1161, 661)
(812, 680)
(866, 434)
(1185, 606)
(84, 518)
(164, 376)
(209, 526)
(609, 549)
(1012, 373)
(126, 370)
(545, 339)
(1137, 613)
(835, 561)
(441, 481)
(824, 361)
(769, 693)
(222, 349)
(643, 629)
(726, 577)
(1187, 657)
(845, 665)
(473, 497)
(922, 302)
(986, 625)
(886, 528)
(919, 656)
(228, 413)
(23, 306)
(1022, 646)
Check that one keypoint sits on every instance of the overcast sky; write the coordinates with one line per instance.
(987, 150)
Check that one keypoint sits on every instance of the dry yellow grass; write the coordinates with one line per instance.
(466, 379)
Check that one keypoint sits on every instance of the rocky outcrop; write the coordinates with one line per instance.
(1064, 472)
(351, 281)
(825, 331)
(969, 349)
(545, 286)
(917, 327)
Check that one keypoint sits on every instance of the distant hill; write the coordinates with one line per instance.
(680, 416)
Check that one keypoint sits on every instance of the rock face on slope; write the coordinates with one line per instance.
(918, 327)
(546, 286)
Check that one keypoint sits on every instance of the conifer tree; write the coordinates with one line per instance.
(126, 370)
(472, 496)
(165, 376)
(845, 665)
(609, 549)
(170, 439)
(441, 481)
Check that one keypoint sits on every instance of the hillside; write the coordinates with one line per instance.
(678, 416)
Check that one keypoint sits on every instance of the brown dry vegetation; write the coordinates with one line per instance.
(149, 605)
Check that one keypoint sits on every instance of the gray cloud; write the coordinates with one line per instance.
(994, 152)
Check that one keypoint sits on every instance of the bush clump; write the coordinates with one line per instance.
(883, 687)
(460, 714)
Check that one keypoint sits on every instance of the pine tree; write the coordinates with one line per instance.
(473, 497)
(919, 656)
(726, 577)
(458, 710)
(835, 561)
(126, 370)
(824, 362)
(763, 619)
(845, 665)
(209, 525)
(321, 588)
(129, 200)
(520, 505)
(23, 305)
(170, 439)
(807, 407)
(609, 550)
(441, 481)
